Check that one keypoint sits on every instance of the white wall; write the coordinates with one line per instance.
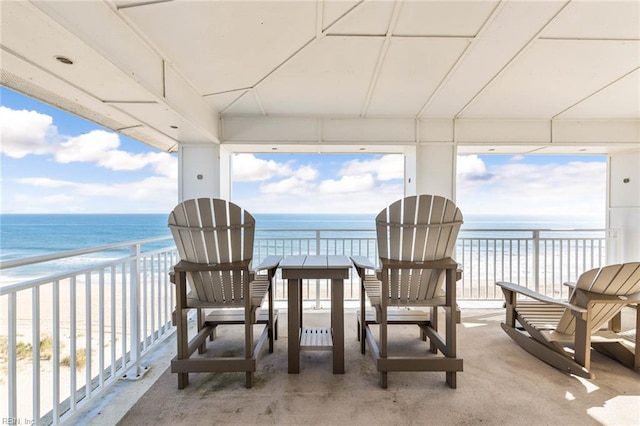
(436, 169)
(624, 202)
(199, 171)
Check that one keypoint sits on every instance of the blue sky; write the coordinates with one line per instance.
(54, 162)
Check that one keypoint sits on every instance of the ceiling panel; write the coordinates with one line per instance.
(619, 100)
(576, 61)
(221, 101)
(371, 18)
(329, 77)
(332, 11)
(413, 68)
(221, 46)
(553, 75)
(497, 149)
(597, 19)
(443, 18)
(164, 120)
(511, 28)
(245, 104)
(32, 36)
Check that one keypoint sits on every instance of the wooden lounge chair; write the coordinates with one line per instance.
(562, 333)
(214, 239)
(416, 240)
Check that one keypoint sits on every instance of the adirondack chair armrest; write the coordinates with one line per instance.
(583, 298)
(269, 262)
(569, 284)
(184, 266)
(515, 288)
(363, 263)
(446, 263)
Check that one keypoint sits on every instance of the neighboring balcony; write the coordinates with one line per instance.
(105, 319)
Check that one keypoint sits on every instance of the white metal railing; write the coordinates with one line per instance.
(349, 242)
(102, 319)
(539, 259)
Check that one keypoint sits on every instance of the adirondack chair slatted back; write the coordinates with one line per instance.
(620, 280)
(417, 228)
(213, 231)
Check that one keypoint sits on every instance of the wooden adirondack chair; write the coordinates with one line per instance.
(214, 239)
(562, 333)
(416, 241)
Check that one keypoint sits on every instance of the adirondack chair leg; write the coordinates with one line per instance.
(636, 360)
(384, 382)
(275, 330)
(510, 304)
(181, 326)
(200, 321)
(583, 344)
(362, 337)
(270, 331)
(452, 379)
(248, 342)
(434, 324)
(362, 333)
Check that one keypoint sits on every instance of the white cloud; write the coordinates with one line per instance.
(307, 173)
(367, 190)
(385, 168)
(29, 132)
(101, 147)
(25, 132)
(44, 182)
(291, 185)
(249, 168)
(58, 203)
(88, 147)
(348, 184)
(151, 194)
(471, 168)
(576, 188)
(371, 201)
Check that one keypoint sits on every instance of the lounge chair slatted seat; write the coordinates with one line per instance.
(562, 333)
(214, 239)
(416, 240)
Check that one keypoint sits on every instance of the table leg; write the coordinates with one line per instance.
(337, 322)
(293, 289)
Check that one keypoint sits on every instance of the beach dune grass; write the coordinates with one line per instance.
(81, 359)
(25, 350)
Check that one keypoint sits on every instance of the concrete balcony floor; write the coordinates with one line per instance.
(501, 384)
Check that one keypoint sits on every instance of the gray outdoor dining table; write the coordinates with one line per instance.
(294, 270)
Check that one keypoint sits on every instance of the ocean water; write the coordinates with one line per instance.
(27, 235)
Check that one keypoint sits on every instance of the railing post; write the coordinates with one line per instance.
(135, 371)
(536, 260)
(318, 281)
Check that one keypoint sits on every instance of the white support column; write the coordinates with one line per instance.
(410, 171)
(226, 170)
(199, 171)
(435, 169)
(623, 211)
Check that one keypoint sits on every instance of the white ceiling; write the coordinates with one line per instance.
(143, 66)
